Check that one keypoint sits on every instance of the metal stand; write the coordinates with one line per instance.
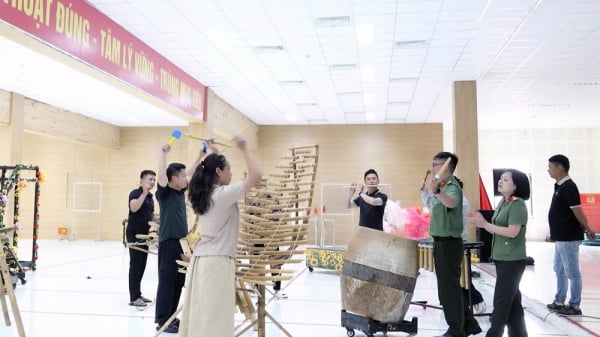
(467, 246)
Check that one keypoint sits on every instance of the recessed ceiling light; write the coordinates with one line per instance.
(365, 34)
(291, 117)
(220, 39)
(368, 73)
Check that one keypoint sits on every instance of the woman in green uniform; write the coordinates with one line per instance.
(508, 252)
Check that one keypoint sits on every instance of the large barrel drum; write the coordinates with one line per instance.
(379, 275)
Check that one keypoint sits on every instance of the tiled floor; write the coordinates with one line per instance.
(80, 289)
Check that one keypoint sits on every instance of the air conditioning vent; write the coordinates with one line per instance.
(585, 83)
(267, 49)
(289, 83)
(332, 21)
(343, 67)
(349, 93)
(403, 80)
(411, 44)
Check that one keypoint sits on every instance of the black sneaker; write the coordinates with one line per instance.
(145, 299)
(138, 303)
(555, 306)
(170, 329)
(568, 310)
(472, 328)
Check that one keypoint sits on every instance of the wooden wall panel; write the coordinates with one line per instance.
(65, 162)
(399, 153)
(4, 107)
(52, 121)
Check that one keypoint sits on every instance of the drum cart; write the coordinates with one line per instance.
(372, 270)
(370, 326)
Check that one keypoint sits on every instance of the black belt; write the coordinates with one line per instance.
(445, 238)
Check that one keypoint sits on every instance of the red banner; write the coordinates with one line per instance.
(80, 30)
(590, 203)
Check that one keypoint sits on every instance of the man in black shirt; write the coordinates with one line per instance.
(141, 211)
(170, 193)
(371, 203)
(568, 223)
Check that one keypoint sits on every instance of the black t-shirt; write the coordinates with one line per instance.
(173, 218)
(137, 222)
(371, 216)
(564, 226)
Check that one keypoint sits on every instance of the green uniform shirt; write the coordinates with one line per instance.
(445, 221)
(513, 213)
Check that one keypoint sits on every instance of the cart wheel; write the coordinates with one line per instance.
(310, 269)
(350, 332)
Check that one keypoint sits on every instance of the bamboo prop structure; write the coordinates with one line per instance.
(273, 227)
(149, 240)
(6, 281)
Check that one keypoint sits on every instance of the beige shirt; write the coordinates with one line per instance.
(219, 226)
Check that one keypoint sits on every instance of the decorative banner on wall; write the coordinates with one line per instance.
(590, 203)
(80, 30)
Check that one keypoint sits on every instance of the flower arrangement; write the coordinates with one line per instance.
(7, 183)
(411, 222)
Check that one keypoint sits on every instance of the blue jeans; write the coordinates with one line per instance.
(566, 267)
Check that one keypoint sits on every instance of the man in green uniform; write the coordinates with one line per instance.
(446, 226)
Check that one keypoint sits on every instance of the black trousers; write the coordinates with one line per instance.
(508, 310)
(476, 296)
(170, 280)
(447, 257)
(137, 267)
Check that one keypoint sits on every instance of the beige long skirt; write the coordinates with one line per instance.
(209, 300)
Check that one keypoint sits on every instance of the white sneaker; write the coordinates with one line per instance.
(479, 307)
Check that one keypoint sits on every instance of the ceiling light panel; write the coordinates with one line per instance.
(311, 111)
(401, 90)
(397, 110)
(352, 102)
(356, 117)
(298, 93)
